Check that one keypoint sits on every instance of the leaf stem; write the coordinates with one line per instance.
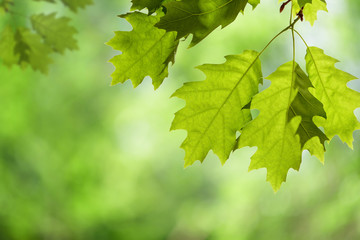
(292, 32)
(291, 26)
(301, 38)
(291, 9)
(293, 46)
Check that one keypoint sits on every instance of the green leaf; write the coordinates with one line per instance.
(330, 88)
(56, 32)
(214, 107)
(199, 17)
(51, 1)
(279, 147)
(7, 45)
(307, 106)
(74, 5)
(303, 2)
(310, 9)
(151, 5)
(254, 3)
(5, 5)
(31, 50)
(146, 51)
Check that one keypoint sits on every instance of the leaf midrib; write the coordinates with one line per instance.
(320, 78)
(142, 56)
(224, 102)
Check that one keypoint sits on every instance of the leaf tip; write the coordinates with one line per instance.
(275, 185)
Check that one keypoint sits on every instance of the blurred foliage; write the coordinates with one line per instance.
(25, 46)
(82, 160)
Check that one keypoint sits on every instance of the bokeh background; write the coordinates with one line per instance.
(82, 160)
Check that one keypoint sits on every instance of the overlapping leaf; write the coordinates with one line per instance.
(311, 8)
(307, 106)
(214, 107)
(74, 5)
(24, 48)
(20, 45)
(199, 17)
(31, 50)
(279, 147)
(151, 5)
(254, 3)
(56, 32)
(146, 51)
(303, 2)
(330, 88)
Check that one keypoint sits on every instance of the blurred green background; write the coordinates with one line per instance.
(82, 160)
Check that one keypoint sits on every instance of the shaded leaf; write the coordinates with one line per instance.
(7, 46)
(56, 32)
(199, 17)
(307, 106)
(74, 5)
(32, 50)
(151, 5)
(303, 2)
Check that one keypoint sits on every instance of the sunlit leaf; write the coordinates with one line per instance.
(310, 9)
(279, 147)
(214, 107)
(254, 3)
(330, 88)
(146, 51)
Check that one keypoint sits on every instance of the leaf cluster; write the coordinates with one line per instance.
(301, 110)
(31, 41)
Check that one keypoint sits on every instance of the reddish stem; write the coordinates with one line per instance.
(282, 7)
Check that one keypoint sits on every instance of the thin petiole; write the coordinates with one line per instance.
(301, 38)
(291, 26)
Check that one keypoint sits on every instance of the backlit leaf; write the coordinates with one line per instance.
(330, 88)
(279, 147)
(146, 51)
(310, 9)
(214, 107)
(254, 3)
